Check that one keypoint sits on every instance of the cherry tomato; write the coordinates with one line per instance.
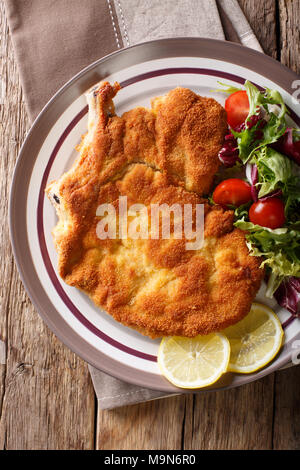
(269, 213)
(237, 108)
(232, 191)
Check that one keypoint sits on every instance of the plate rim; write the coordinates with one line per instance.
(217, 50)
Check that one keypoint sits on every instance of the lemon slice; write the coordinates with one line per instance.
(255, 340)
(194, 362)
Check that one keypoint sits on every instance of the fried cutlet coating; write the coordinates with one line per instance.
(181, 135)
(167, 155)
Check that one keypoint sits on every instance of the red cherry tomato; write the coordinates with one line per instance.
(237, 108)
(269, 213)
(232, 191)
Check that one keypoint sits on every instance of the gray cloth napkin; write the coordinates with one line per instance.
(54, 39)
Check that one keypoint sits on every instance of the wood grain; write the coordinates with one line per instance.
(46, 396)
(262, 18)
(286, 434)
(156, 425)
(287, 383)
(289, 11)
(232, 419)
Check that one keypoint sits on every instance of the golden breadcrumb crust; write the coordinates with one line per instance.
(166, 155)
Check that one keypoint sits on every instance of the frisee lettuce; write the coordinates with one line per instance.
(229, 89)
(291, 193)
(279, 247)
(264, 98)
(274, 170)
(254, 137)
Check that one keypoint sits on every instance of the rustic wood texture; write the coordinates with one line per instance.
(154, 425)
(262, 16)
(289, 33)
(233, 419)
(286, 433)
(46, 396)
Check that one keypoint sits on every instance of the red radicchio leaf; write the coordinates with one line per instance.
(229, 154)
(295, 282)
(276, 193)
(288, 296)
(288, 146)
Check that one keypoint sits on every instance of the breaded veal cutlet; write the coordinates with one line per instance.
(166, 154)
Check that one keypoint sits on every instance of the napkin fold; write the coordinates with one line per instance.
(55, 39)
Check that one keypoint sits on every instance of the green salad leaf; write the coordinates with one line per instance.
(229, 89)
(258, 98)
(291, 195)
(274, 170)
(257, 142)
(253, 137)
(280, 249)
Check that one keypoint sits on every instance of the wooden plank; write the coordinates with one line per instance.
(289, 11)
(47, 399)
(8, 135)
(234, 419)
(287, 410)
(154, 425)
(287, 382)
(262, 18)
(3, 208)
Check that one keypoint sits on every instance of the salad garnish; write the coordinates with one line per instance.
(267, 149)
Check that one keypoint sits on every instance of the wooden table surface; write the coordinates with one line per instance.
(46, 395)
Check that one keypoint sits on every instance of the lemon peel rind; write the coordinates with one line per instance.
(269, 358)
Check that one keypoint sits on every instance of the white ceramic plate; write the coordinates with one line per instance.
(144, 71)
